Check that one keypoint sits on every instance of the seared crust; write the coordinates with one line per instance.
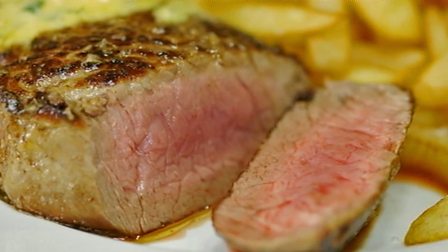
(9, 56)
(104, 54)
(128, 124)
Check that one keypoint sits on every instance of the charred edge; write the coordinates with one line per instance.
(55, 109)
(116, 70)
(413, 103)
(4, 197)
(9, 56)
(305, 96)
(91, 66)
(11, 101)
(51, 111)
(52, 108)
(74, 120)
(43, 44)
(64, 70)
(102, 232)
(48, 67)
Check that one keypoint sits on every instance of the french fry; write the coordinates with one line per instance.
(432, 88)
(394, 58)
(270, 18)
(405, 62)
(332, 6)
(436, 32)
(364, 73)
(329, 50)
(430, 226)
(394, 20)
(427, 137)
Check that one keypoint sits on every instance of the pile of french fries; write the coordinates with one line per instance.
(401, 42)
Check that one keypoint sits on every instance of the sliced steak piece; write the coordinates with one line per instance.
(321, 173)
(128, 124)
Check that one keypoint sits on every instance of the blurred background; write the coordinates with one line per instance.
(400, 42)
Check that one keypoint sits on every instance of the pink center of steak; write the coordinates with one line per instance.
(170, 151)
(325, 161)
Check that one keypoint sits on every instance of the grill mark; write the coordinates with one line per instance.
(108, 53)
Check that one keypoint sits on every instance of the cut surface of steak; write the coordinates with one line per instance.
(128, 124)
(319, 176)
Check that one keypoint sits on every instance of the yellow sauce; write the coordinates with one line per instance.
(22, 20)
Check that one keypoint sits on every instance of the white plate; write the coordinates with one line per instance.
(24, 233)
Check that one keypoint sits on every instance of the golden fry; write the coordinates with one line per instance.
(269, 18)
(394, 58)
(397, 20)
(430, 226)
(329, 50)
(426, 144)
(432, 88)
(436, 32)
(332, 6)
(400, 63)
(371, 74)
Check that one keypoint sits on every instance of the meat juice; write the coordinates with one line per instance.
(422, 178)
(175, 230)
(408, 174)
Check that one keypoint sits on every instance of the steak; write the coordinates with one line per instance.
(321, 174)
(128, 124)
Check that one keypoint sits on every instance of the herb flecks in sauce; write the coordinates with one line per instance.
(34, 6)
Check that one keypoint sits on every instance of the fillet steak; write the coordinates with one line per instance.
(128, 124)
(321, 173)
